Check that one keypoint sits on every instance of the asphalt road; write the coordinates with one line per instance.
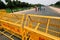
(48, 12)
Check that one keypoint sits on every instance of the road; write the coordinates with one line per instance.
(48, 12)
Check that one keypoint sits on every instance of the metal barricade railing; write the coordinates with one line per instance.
(46, 24)
(10, 22)
(35, 24)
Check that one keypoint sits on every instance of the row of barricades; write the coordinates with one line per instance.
(32, 27)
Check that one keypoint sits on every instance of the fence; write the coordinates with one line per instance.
(34, 27)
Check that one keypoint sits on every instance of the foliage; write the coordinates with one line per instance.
(57, 4)
(2, 5)
(14, 4)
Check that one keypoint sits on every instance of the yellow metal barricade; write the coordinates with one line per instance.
(42, 27)
(32, 27)
(13, 22)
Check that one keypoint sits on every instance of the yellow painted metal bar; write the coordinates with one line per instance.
(55, 31)
(26, 20)
(47, 25)
(42, 33)
(37, 26)
(30, 22)
(6, 35)
(11, 23)
(49, 17)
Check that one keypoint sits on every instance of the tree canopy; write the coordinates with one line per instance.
(2, 5)
(57, 4)
(14, 4)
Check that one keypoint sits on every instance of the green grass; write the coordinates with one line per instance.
(8, 10)
(16, 9)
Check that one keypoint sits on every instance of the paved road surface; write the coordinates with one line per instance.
(47, 12)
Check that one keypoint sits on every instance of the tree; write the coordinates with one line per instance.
(9, 4)
(18, 3)
(2, 5)
(57, 3)
(7, 0)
